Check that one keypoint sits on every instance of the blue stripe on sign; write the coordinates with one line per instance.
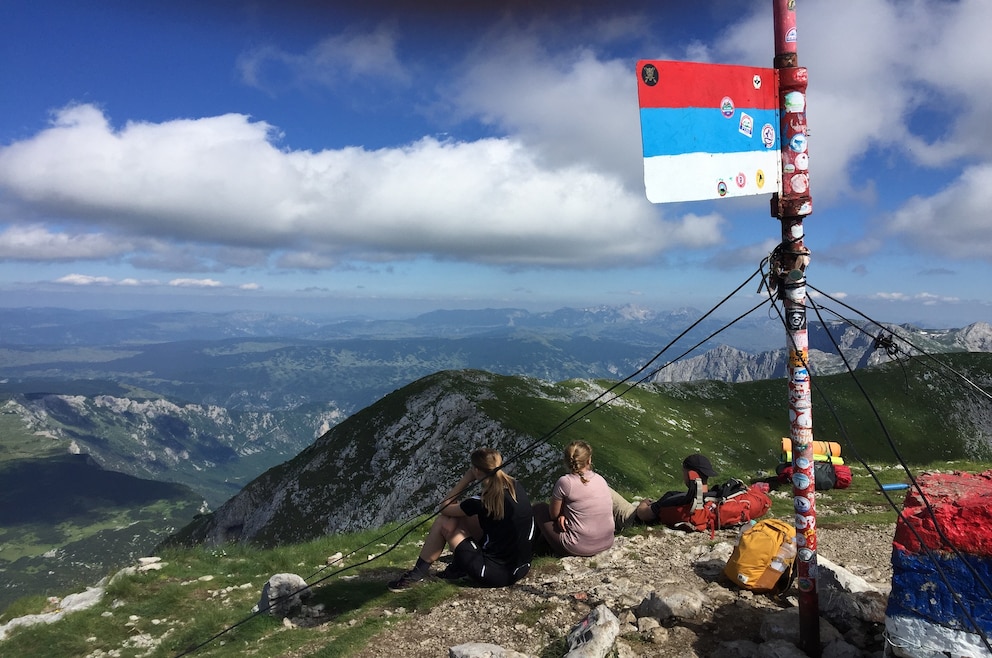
(676, 131)
(919, 591)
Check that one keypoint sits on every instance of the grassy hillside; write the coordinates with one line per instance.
(928, 412)
(64, 522)
(204, 591)
(403, 451)
(639, 440)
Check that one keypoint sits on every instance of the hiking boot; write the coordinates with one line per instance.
(405, 582)
(453, 572)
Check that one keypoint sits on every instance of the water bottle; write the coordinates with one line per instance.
(786, 552)
(744, 528)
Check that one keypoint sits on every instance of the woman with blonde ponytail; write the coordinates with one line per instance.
(579, 518)
(490, 535)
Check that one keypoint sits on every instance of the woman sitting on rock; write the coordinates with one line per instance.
(579, 518)
(490, 535)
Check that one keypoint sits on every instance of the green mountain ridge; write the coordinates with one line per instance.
(398, 456)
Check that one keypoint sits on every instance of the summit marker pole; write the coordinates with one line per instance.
(788, 268)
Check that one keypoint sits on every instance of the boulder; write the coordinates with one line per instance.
(283, 595)
(593, 637)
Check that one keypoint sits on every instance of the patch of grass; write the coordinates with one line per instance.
(26, 605)
(556, 648)
(351, 639)
(534, 613)
(202, 592)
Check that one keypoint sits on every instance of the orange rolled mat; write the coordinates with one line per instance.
(819, 447)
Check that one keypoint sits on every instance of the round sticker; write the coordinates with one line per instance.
(741, 180)
(802, 162)
(800, 481)
(800, 183)
(798, 143)
(649, 74)
(795, 102)
(721, 188)
(802, 462)
(805, 555)
(727, 107)
(759, 179)
(802, 504)
(768, 135)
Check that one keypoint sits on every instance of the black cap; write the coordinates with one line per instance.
(700, 464)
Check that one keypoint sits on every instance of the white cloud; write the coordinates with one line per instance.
(896, 59)
(84, 280)
(195, 283)
(571, 107)
(560, 184)
(925, 298)
(34, 242)
(221, 180)
(954, 222)
(834, 295)
(906, 87)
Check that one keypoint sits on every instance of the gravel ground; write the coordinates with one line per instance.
(533, 616)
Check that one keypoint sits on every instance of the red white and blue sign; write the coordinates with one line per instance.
(708, 130)
(940, 603)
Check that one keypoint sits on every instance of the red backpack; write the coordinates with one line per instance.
(726, 505)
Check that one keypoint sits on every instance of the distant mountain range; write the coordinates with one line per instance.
(215, 401)
(212, 400)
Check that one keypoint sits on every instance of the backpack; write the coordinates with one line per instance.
(826, 475)
(764, 556)
(726, 505)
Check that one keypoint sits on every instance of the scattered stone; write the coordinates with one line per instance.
(784, 625)
(645, 624)
(482, 650)
(739, 649)
(593, 637)
(283, 595)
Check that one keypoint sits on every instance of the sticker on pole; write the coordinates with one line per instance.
(708, 130)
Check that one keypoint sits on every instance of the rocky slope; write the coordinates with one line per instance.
(394, 460)
(704, 614)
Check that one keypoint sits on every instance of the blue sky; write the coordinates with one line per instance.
(407, 156)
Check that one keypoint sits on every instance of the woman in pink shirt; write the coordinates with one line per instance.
(579, 518)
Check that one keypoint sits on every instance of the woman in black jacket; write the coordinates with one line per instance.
(490, 534)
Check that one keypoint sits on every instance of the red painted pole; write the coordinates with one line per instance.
(788, 268)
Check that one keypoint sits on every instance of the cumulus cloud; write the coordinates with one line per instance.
(867, 95)
(925, 298)
(570, 106)
(34, 242)
(557, 183)
(85, 280)
(954, 222)
(223, 180)
(195, 283)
